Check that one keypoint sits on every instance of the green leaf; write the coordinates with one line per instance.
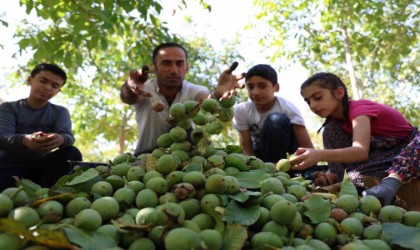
(234, 237)
(317, 209)
(127, 6)
(103, 43)
(89, 240)
(240, 196)
(64, 179)
(14, 227)
(79, 59)
(87, 186)
(38, 55)
(29, 6)
(233, 149)
(86, 176)
(30, 188)
(62, 190)
(4, 23)
(29, 185)
(402, 235)
(235, 213)
(202, 145)
(225, 199)
(219, 225)
(24, 43)
(347, 186)
(251, 179)
(51, 238)
(244, 196)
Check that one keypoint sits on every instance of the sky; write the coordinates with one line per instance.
(221, 25)
(11, 12)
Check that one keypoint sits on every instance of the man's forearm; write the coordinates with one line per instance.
(126, 95)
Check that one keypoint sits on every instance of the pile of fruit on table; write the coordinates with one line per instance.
(188, 194)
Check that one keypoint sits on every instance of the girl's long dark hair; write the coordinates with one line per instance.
(329, 81)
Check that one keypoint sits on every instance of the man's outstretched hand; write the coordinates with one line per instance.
(136, 81)
(228, 82)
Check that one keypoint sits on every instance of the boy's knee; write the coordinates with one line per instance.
(277, 117)
(276, 120)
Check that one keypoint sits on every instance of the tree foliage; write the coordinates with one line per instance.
(98, 42)
(373, 45)
(5, 24)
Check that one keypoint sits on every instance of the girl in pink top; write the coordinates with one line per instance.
(363, 137)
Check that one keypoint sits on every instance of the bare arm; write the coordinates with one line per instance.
(127, 96)
(246, 142)
(202, 95)
(302, 137)
(361, 138)
(226, 85)
(359, 151)
(228, 82)
(133, 89)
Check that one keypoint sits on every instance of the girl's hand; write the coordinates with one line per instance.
(324, 179)
(304, 158)
(228, 82)
(136, 81)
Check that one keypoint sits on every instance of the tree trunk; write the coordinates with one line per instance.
(124, 128)
(121, 139)
(122, 133)
(350, 67)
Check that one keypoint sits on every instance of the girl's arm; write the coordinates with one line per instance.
(359, 151)
(361, 138)
(246, 142)
(302, 136)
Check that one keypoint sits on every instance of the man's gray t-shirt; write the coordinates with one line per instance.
(18, 119)
(152, 124)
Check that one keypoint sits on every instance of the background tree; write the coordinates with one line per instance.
(98, 42)
(373, 45)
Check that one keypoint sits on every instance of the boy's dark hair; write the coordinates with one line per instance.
(263, 70)
(167, 45)
(329, 81)
(49, 67)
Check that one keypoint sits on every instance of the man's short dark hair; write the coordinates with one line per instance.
(167, 45)
(263, 70)
(53, 68)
